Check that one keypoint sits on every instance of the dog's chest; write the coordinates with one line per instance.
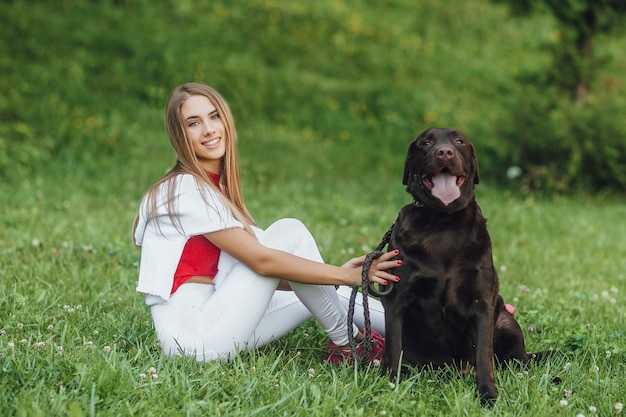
(444, 258)
(441, 244)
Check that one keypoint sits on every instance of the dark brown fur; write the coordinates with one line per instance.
(446, 310)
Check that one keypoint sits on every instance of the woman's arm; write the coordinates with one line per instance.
(279, 264)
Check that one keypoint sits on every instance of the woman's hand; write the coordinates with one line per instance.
(378, 269)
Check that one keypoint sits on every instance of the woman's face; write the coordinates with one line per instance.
(205, 132)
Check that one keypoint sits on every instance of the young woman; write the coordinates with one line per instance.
(210, 275)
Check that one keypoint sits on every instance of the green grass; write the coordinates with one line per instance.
(326, 98)
(77, 339)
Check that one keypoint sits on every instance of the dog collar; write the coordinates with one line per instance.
(418, 203)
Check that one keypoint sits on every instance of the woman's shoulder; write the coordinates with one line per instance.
(182, 183)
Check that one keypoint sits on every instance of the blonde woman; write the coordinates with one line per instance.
(211, 277)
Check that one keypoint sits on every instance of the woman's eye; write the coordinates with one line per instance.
(192, 124)
(215, 116)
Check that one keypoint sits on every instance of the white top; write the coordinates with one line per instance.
(198, 210)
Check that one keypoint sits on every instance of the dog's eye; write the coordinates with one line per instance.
(459, 141)
(426, 142)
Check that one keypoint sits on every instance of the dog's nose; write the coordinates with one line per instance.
(444, 152)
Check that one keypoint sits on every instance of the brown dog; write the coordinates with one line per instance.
(446, 310)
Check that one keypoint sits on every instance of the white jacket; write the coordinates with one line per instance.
(198, 210)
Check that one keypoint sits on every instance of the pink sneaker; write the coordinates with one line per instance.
(337, 355)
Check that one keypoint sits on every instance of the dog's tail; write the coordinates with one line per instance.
(540, 356)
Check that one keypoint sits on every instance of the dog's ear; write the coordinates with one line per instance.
(476, 179)
(408, 163)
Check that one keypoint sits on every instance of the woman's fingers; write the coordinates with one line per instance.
(379, 268)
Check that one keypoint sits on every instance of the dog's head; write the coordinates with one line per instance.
(441, 170)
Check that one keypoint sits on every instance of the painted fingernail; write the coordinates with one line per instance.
(385, 282)
(397, 279)
(399, 262)
(396, 251)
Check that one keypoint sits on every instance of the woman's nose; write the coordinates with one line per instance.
(209, 130)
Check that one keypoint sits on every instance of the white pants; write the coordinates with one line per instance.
(245, 311)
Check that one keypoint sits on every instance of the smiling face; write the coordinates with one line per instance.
(441, 169)
(205, 132)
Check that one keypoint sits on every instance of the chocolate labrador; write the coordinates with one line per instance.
(446, 309)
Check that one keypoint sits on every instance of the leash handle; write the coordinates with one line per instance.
(366, 287)
(382, 290)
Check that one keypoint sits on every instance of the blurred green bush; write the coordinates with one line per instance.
(83, 80)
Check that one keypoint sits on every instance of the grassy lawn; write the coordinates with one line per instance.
(327, 96)
(77, 340)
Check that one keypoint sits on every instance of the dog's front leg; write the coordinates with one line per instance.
(393, 342)
(483, 337)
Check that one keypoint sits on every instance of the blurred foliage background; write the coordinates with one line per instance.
(344, 85)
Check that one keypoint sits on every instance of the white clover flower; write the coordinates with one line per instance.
(311, 372)
(142, 376)
(392, 385)
(23, 341)
(40, 345)
(51, 328)
(20, 326)
(152, 370)
(35, 242)
(376, 363)
(60, 350)
(513, 172)
(3, 332)
(592, 409)
(107, 349)
(563, 403)
(567, 393)
(155, 377)
(608, 354)
(11, 345)
(618, 407)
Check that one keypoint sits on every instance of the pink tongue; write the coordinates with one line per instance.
(445, 188)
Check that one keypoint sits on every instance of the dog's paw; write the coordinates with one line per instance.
(488, 395)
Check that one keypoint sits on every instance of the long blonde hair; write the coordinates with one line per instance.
(187, 162)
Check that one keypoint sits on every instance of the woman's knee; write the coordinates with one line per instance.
(284, 232)
(285, 225)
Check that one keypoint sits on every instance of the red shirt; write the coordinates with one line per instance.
(199, 257)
